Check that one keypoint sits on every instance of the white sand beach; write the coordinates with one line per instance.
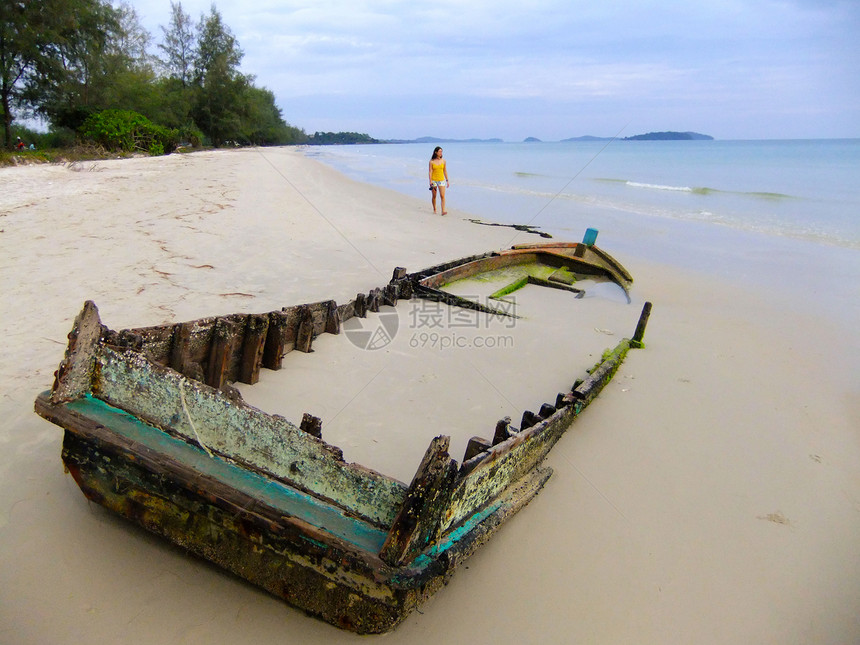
(710, 495)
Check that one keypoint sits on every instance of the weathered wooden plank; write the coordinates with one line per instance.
(389, 295)
(346, 311)
(555, 285)
(529, 419)
(636, 341)
(332, 324)
(305, 333)
(546, 411)
(253, 346)
(192, 343)
(156, 342)
(476, 446)
(484, 263)
(502, 432)
(419, 518)
(361, 305)
(270, 443)
(405, 289)
(74, 376)
(374, 299)
(224, 354)
(591, 386)
(274, 348)
(485, 476)
(312, 425)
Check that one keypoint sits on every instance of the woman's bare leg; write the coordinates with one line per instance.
(442, 195)
(433, 199)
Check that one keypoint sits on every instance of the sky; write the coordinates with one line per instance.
(551, 69)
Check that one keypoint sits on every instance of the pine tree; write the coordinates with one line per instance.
(178, 45)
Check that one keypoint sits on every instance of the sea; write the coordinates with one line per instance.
(778, 213)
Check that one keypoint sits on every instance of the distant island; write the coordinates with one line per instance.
(587, 137)
(651, 136)
(670, 136)
(437, 140)
(346, 138)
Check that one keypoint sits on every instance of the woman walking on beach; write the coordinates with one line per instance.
(438, 178)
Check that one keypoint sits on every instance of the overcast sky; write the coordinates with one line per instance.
(551, 69)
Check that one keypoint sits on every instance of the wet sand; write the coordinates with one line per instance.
(710, 495)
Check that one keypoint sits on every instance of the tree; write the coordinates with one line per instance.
(178, 45)
(219, 85)
(66, 60)
(71, 82)
(128, 80)
(262, 123)
(16, 58)
(30, 33)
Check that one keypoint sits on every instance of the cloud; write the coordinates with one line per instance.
(455, 58)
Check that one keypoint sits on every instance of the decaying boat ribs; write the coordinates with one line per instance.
(154, 432)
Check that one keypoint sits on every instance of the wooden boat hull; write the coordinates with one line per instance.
(147, 438)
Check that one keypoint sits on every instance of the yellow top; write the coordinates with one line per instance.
(437, 172)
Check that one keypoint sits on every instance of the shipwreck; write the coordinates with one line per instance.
(155, 432)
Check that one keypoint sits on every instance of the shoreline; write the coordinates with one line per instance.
(711, 495)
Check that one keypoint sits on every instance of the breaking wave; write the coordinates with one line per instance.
(698, 190)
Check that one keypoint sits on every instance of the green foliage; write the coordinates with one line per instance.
(59, 138)
(262, 123)
(83, 66)
(178, 45)
(127, 131)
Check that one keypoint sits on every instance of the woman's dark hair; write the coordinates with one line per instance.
(435, 150)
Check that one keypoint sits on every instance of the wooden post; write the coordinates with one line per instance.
(399, 273)
(428, 497)
(640, 327)
(405, 289)
(529, 419)
(332, 322)
(476, 446)
(180, 352)
(305, 334)
(273, 351)
(503, 431)
(224, 338)
(312, 425)
(373, 299)
(389, 295)
(546, 411)
(253, 347)
(360, 305)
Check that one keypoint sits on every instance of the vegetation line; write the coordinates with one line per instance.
(87, 69)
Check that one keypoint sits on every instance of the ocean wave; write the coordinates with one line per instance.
(697, 190)
(680, 189)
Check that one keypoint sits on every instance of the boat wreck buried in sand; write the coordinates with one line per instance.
(155, 433)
